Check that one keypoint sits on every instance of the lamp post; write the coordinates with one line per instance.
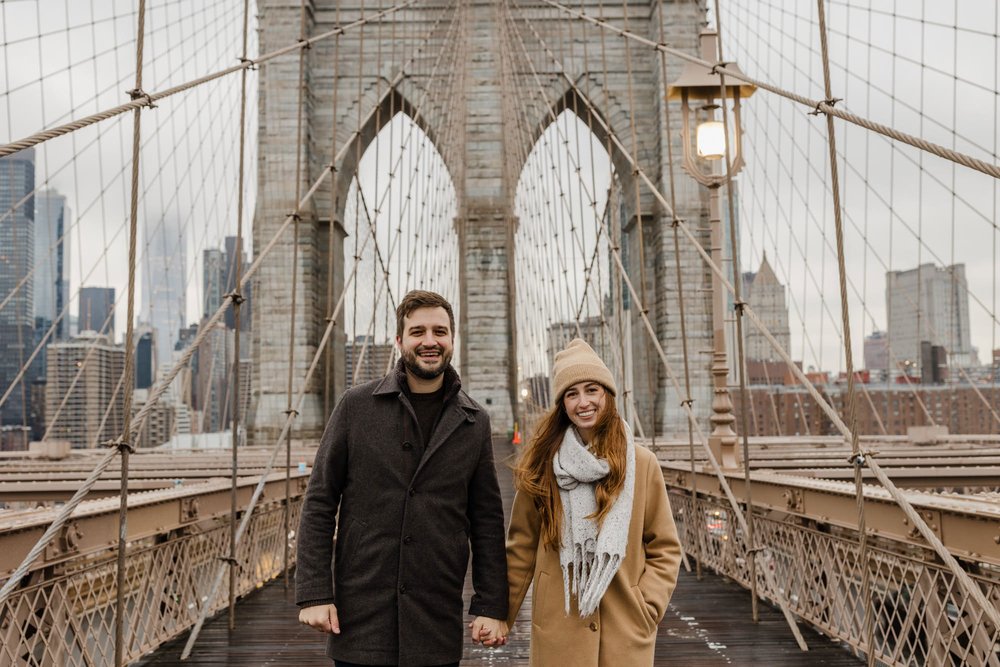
(703, 163)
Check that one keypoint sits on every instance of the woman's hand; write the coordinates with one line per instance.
(489, 631)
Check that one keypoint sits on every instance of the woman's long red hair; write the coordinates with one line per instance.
(534, 475)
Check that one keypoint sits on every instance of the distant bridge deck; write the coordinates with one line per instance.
(708, 623)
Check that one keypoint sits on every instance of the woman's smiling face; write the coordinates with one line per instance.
(584, 402)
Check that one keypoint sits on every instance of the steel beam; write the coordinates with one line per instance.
(969, 526)
(94, 525)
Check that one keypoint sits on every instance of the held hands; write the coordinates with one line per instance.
(322, 617)
(490, 631)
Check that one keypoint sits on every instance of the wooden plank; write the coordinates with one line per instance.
(708, 624)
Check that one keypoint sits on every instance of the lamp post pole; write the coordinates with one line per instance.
(697, 83)
(723, 439)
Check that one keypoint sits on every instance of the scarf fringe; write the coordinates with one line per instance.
(587, 578)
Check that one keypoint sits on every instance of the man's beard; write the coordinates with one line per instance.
(412, 363)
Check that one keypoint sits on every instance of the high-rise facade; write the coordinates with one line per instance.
(160, 424)
(375, 360)
(163, 286)
(219, 279)
(246, 309)
(213, 280)
(766, 295)
(929, 303)
(211, 369)
(17, 257)
(145, 359)
(877, 351)
(590, 330)
(52, 260)
(97, 311)
(99, 364)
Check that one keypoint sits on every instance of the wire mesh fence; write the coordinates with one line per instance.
(918, 614)
(67, 618)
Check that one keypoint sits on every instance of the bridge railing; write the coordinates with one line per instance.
(920, 615)
(65, 615)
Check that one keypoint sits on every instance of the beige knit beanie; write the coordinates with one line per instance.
(579, 363)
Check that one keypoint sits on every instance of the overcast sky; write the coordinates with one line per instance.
(928, 68)
(925, 68)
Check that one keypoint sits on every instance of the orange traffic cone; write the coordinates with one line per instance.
(517, 435)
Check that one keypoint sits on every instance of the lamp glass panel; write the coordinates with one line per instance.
(711, 140)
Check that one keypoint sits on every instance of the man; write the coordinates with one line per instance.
(408, 461)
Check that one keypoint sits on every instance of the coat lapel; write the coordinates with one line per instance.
(454, 412)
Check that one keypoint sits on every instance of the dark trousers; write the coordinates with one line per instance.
(341, 663)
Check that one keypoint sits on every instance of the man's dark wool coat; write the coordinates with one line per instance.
(405, 525)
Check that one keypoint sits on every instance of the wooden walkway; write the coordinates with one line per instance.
(707, 624)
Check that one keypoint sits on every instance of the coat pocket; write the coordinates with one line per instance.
(647, 621)
(348, 541)
(543, 605)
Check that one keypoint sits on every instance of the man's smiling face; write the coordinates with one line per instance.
(427, 342)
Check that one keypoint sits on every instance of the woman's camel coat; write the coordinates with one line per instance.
(622, 632)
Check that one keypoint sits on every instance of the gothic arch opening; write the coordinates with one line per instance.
(565, 278)
(399, 208)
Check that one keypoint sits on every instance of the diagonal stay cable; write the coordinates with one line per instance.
(293, 412)
(275, 450)
(823, 106)
(161, 386)
(149, 98)
(918, 522)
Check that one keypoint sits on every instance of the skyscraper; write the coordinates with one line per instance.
(766, 295)
(218, 279)
(230, 284)
(211, 369)
(52, 257)
(17, 254)
(213, 280)
(929, 303)
(82, 419)
(145, 361)
(375, 363)
(96, 305)
(163, 286)
(877, 351)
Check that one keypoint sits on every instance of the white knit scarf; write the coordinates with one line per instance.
(589, 556)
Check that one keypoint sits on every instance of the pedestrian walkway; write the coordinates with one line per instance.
(708, 624)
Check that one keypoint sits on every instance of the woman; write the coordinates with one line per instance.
(591, 528)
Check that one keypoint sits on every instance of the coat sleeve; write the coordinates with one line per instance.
(522, 550)
(318, 522)
(485, 514)
(662, 546)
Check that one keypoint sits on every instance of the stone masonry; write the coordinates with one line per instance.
(355, 99)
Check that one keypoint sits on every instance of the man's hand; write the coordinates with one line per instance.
(322, 617)
(489, 631)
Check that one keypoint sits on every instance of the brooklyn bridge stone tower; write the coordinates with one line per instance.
(484, 179)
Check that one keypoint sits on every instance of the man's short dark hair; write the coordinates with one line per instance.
(415, 299)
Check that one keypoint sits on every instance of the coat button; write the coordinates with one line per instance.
(412, 492)
(407, 539)
(402, 590)
(593, 626)
(407, 446)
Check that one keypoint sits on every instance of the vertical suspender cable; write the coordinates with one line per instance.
(680, 301)
(856, 455)
(329, 368)
(741, 357)
(287, 514)
(237, 299)
(123, 444)
(652, 382)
